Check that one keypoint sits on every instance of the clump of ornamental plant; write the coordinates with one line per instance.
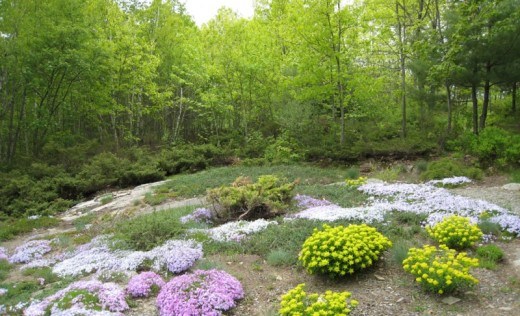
(339, 250)
(245, 200)
(440, 270)
(298, 302)
(202, 292)
(354, 183)
(144, 283)
(455, 232)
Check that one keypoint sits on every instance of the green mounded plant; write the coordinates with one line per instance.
(298, 302)
(244, 200)
(440, 270)
(421, 166)
(107, 198)
(489, 256)
(337, 251)
(43, 273)
(353, 172)
(455, 232)
(148, 231)
(449, 167)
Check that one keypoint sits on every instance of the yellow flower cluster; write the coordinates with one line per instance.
(440, 270)
(296, 302)
(354, 183)
(455, 232)
(340, 250)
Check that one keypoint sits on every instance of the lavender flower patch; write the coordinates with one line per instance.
(415, 198)
(206, 293)
(174, 255)
(31, 250)
(111, 300)
(3, 253)
(141, 285)
(304, 202)
(3, 291)
(39, 263)
(200, 215)
(236, 231)
(450, 182)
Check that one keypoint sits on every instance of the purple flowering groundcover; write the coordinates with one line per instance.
(206, 293)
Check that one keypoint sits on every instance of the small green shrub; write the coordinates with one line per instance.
(268, 197)
(421, 166)
(399, 251)
(455, 232)
(489, 256)
(298, 302)
(448, 167)
(282, 151)
(339, 250)
(489, 228)
(105, 199)
(148, 231)
(440, 270)
(353, 172)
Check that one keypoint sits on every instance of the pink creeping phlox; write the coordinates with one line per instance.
(111, 298)
(141, 285)
(207, 293)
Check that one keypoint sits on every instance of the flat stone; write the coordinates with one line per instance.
(511, 187)
(450, 300)
(378, 277)
(505, 309)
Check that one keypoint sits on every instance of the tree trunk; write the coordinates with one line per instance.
(475, 107)
(448, 99)
(485, 105)
(401, 32)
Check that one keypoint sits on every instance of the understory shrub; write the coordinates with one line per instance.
(339, 250)
(245, 200)
(298, 302)
(440, 270)
(203, 292)
(449, 167)
(455, 232)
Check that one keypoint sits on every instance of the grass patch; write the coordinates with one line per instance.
(399, 251)
(279, 257)
(18, 292)
(81, 223)
(514, 176)
(5, 268)
(155, 198)
(44, 273)
(105, 199)
(352, 173)
(489, 256)
(148, 231)
(388, 174)
(12, 227)
(338, 194)
(205, 264)
(189, 185)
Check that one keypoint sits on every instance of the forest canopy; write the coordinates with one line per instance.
(301, 79)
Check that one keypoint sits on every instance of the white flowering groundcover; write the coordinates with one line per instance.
(427, 199)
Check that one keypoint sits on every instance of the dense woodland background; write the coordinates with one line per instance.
(96, 94)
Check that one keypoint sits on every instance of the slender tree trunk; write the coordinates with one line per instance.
(448, 99)
(401, 33)
(475, 107)
(485, 105)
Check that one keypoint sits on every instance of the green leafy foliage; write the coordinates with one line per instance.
(455, 232)
(449, 167)
(440, 270)
(12, 227)
(298, 302)
(268, 197)
(489, 256)
(338, 251)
